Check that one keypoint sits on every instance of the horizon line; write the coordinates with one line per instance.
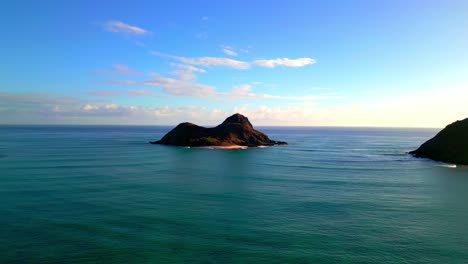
(173, 125)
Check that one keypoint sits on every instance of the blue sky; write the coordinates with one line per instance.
(320, 63)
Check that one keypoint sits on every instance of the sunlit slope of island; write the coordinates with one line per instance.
(235, 131)
(449, 145)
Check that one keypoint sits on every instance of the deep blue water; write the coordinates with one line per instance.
(102, 194)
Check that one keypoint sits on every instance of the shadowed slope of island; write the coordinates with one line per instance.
(235, 131)
(449, 145)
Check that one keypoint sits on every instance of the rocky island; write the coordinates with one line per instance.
(235, 131)
(449, 145)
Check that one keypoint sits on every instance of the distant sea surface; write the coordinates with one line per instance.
(102, 194)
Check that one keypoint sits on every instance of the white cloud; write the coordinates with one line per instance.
(300, 62)
(141, 92)
(185, 72)
(245, 91)
(241, 89)
(180, 87)
(106, 92)
(131, 92)
(117, 69)
(237, 64)
(184, 82)
(229, 51)
(215, 61)
(169, 86)
(112, 106)
(121, 27)
(187, 67)
(128, 82)
(31, 108)
(206, 61)
(87, 107)
(435, 108)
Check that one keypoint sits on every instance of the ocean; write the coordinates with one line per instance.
(102, 194)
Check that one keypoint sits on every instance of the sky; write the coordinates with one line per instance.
(282, 63)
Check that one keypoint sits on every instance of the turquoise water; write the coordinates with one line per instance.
(79, 194)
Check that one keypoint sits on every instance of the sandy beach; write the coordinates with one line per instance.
(227, 147)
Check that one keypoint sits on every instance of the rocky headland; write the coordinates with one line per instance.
(449, 145)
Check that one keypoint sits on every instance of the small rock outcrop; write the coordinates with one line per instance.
(449, 145)
(236, 130)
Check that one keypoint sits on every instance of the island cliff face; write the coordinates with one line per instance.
(449, 145)
(236, 130)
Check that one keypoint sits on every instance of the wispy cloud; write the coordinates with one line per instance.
(117, 69)
(435, 108)
(131, 92)
(206, 61)
(215, 61)
(47, 109)
(180, 87)
(173, 87)
(229, 51)
(238, 64)
(245, 91)
(183, 83)
(33, 108)
(121, 27)
(128, 82)
(185, 72)
(300, 62)
(141, 92)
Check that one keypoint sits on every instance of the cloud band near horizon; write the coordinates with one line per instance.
(238, 64)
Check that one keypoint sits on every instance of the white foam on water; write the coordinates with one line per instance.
(451, 166)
